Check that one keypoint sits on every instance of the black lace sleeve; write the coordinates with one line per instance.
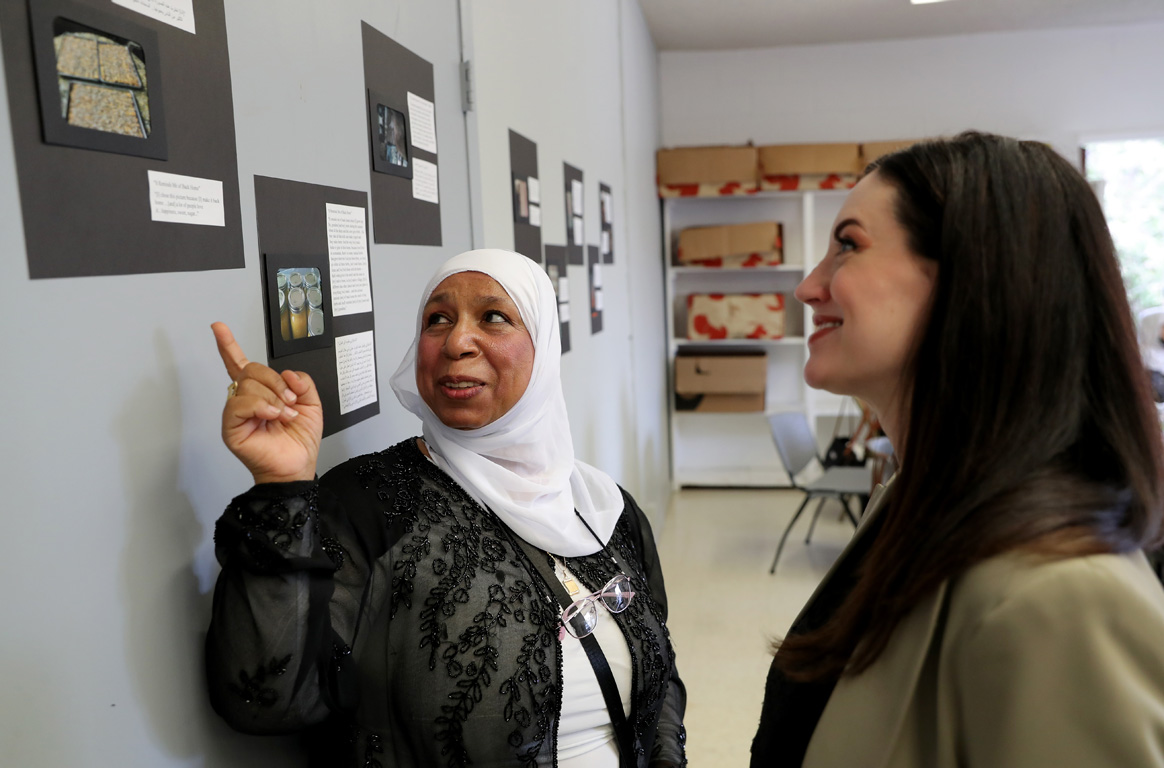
(294, 571)
(669, 748)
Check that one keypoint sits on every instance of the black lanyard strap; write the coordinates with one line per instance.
(622, 730)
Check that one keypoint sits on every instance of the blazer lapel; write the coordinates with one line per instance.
(863, 721)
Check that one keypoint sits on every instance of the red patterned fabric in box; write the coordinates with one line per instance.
(741, 261)
(735, 316)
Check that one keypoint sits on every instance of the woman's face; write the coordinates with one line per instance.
(869, 298)
(475, 356)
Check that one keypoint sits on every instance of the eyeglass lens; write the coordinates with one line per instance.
(581, 617)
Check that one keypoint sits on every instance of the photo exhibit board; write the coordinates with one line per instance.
(400, 94)
(606, 214)
(575, 226)
(527, 212)
(594, 271)
(556, 262)
(131, 166)
(307, 229)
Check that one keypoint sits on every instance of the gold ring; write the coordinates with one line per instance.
(231, 389)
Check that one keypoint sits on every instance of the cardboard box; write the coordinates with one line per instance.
(735, 316)
(729, 383)
(698, 244)
(871, 150)
(788, 159)
(707, 165)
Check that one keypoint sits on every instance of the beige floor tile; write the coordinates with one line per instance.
(716, 547)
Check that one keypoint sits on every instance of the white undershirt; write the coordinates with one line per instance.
(585, 735)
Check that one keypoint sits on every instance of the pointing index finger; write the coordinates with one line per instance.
(231, 353)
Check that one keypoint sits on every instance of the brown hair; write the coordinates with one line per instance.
(1030, 423)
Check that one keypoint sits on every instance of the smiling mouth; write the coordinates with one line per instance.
(461, 390)
(823, 327)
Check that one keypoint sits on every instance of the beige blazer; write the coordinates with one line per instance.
(1018, 663)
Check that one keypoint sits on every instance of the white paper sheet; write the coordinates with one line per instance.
(607, 208)
(598, 299)
(186, 199)
(177, 13)
(535, 215)
(576, 196)
(355, 367)
(605, 241)
(424, 181)
(422, 123)
(564, 312)
(563, 286)
(347, 251)
(596, 276)
(535, 190)
(578, 234)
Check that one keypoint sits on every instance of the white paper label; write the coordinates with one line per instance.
(535, 215)
(535, 190)
(177, 13)
(563, 286)
(186, 199)
(564, 312)
(598, 299)
(607, 208)
(578, 235)
(596, 276)
(576, 196)
(424, 181)
(422, 123)
(355, 367)
(347, 250)
(605, 241)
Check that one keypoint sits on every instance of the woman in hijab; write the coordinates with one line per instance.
(407, 606)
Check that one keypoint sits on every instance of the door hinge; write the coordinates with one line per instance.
(466, 87)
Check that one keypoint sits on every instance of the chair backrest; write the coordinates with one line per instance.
(794, 440)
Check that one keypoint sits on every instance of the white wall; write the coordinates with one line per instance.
(1059, 86)
(558, 74)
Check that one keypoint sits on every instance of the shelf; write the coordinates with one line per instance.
(707, 271)
(784, 342)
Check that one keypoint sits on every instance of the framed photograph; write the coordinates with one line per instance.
(388, 130)
(520, 200)
(98, 77)
(297, 297)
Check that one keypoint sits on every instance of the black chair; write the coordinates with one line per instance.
(796, 444)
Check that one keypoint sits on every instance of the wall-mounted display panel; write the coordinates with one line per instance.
(316, 238)
(556, 262)
(123, 127)
(402, 142)
(575, 194)
(527, 196)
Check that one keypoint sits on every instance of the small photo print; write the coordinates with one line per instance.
(554, 272)
(521, 200)
(391, 142)
(301, 306)
(102, 80)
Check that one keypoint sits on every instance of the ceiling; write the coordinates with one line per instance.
(736, 24)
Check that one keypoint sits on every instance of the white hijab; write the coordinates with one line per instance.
(521, 465)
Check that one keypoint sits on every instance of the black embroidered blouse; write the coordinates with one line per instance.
(387, 612)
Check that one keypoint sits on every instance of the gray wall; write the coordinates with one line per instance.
(114, 473)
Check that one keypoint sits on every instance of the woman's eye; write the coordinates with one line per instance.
(436, 318)
(493, 316)
(845, 244)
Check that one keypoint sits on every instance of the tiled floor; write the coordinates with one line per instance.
(716, 547)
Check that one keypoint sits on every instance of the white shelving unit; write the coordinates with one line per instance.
(736, 449)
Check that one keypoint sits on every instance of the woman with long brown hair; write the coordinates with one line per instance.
(995, 607)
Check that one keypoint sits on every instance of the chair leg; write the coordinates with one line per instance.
(815, 517)
(787, 530)
(848, 510)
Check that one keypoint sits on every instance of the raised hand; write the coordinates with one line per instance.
(273, 423)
